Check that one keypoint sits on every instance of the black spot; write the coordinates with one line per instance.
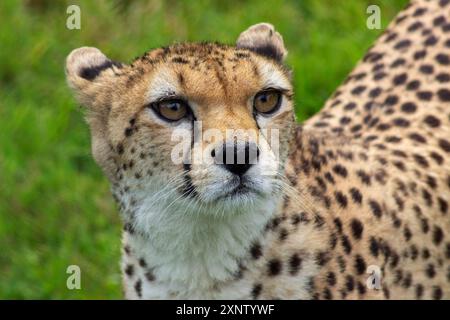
(432, 121)
(431, 182)
(360, 264)
(361, 288)
(327, 294)
(419, 12)
(331, 278)
(350, 106)
(283, 234)
(437, 157)
(424, 95)
(142, 263)
(409, 107)
(419, 54)
(437, 293)
(438, 21)
(365, 178)
(431, 41)
(333, 240)
(413, 85)
(242, 55)
(128, 227)
(256, 251)
(407, 233)
(407, 281)
(391, 100)
(341, 199)
(322, 258)
(398, 62)
(349, 283)
(419, 291)
(446, 27)
(138, 288)
(444, 95)
(256, 291)
(338, 224)
(357, 228)
(427, 197)
(345, 120)
(274, 267)
(438, 235)
(373, 245)
(421, 160)
(180, 60)
(401, 122)
(400, 79)
(443, 205)
(346, 244)
(318, 221)
(129, 270)
(300, 217)
(426, 69)
(402, 44)
(356, 195)
(414, 252)
(414, 26)
(340, 170)
(425, 254)
(447, 250)
(430, 271)
(442, 59)
(295, 263)
(358, 90)
(120, 148)
(444, 144)
(375, 92)
(376, 208)
(443, 77)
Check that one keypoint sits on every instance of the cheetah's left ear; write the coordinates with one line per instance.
(88, 73)
(263, 39)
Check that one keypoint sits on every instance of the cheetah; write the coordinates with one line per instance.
(350, 204)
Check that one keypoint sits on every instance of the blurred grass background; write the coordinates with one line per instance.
(55, 206)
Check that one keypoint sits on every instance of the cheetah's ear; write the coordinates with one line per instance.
(87, 72)
(263, 39)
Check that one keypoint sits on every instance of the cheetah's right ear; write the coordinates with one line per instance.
(87, 72)
(263, 39)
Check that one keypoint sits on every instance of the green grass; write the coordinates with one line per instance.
(55, 207)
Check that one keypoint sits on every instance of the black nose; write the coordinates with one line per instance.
(237, 157)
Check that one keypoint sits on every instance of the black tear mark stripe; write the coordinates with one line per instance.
(93, 72)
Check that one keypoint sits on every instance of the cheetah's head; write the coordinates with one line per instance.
(202, 125)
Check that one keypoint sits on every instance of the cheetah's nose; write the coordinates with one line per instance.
(236, 157)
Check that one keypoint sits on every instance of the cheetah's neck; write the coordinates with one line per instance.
(188, 253)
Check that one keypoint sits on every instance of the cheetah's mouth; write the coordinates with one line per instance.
(239, 188)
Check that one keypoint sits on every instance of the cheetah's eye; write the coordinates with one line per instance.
(267, 101)
(171, 110)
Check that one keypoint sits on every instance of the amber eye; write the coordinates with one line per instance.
(267, 101)
(171, 110)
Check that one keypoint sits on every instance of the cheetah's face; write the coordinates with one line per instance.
(202, 121)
